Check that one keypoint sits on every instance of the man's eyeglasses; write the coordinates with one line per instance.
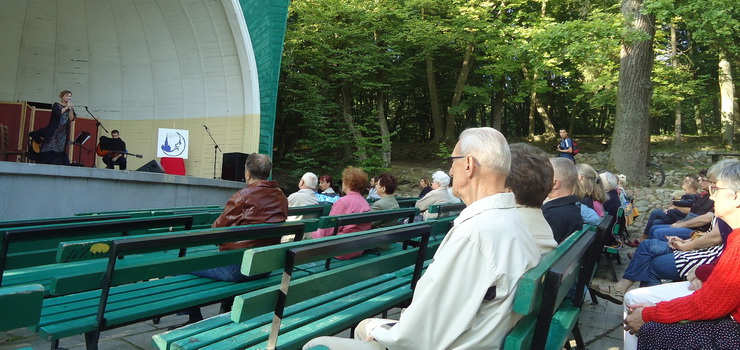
(452, 158)
(714, 189)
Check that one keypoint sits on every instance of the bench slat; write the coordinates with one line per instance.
(264, 300)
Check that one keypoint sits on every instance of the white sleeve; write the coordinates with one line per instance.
(445, 302)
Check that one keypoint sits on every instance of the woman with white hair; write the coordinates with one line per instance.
(438, 194)
(610, 182)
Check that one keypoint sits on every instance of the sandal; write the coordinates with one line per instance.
(633, 244)
(607, 292)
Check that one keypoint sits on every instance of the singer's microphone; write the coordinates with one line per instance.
(205, 127)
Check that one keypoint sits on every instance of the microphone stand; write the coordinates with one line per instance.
(97, 122)
(216, 149)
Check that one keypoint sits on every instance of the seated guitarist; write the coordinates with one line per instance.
(113, 158)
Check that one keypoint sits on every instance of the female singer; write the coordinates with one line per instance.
(56, 134)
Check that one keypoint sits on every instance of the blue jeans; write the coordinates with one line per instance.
(653, 261)
(662, 231)
(229, 273)
(657, 217)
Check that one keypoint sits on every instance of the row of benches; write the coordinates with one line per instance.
(57, 312)
(549, 297)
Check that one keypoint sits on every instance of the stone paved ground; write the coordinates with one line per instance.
(600, 324)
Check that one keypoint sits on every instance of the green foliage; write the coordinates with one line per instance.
(339, 54)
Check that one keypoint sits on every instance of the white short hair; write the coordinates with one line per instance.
(441, 178)
(609, 180)
(489, 147)
(310, 179)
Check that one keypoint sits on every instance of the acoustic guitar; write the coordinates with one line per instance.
(104, 152)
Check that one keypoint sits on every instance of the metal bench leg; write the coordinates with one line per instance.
(55, 345)
(610, 266)
(579, 338)
(91, 340)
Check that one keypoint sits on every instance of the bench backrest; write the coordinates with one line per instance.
(337, 221)
(323, 249)
(530, 291)
(406, 202)
(571, 269)
(38, 244)
(310, 211)
(60, 220)
(120, 272)
(446, 209)
(155, 210)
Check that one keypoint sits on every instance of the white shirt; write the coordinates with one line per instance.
(488, 246)
(438, 196)
(538, 228)
(301, 198)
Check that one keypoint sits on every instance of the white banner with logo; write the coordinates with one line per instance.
(173, 143)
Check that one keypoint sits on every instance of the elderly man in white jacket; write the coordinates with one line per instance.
(465, 298)
(438, 195)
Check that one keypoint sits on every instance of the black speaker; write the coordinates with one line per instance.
(151, 167)
(232, 167)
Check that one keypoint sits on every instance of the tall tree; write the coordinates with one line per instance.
(631, 139)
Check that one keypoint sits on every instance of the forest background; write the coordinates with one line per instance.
(360, 78)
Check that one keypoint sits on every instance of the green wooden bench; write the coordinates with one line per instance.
(717, 155)
(155, 211)
(337, 221)
(60, 220)
(548, 317)
(530, 291)
(20, 306)
(319, 304)
(133, 290)
(310, 211)
(446, 209)
(406, 202)
(37, 245)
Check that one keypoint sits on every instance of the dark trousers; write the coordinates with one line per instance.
(121, 162)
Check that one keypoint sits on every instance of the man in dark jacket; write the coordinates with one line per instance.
(260, 202)
(562, 209)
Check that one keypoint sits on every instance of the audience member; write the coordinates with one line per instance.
(530, 179)
(561, 209)
(326, 185)
(656, 260)
(589, 190)
(306, 194)
(353, 182)
(464, 299)
(712, 310)
(261, 202)
(425, 187)
(611, 185)
(372, 191)
(385, 187)
(438, 195)
(698, 218)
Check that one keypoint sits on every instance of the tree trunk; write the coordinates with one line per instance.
(698, 119)
(530, 117)
(550, 131)
(385, 135)
(497, 108)
(462, 79)
(727, 97)
(631, 139)
(347, 114)
(437, 120)
(674, 63)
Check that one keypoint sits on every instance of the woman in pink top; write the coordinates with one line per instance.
(353, 182)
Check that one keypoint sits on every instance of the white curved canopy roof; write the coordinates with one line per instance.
(130, 59)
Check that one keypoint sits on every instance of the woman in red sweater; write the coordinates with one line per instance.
(714, 308)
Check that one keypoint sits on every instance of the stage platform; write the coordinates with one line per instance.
(29, 191)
